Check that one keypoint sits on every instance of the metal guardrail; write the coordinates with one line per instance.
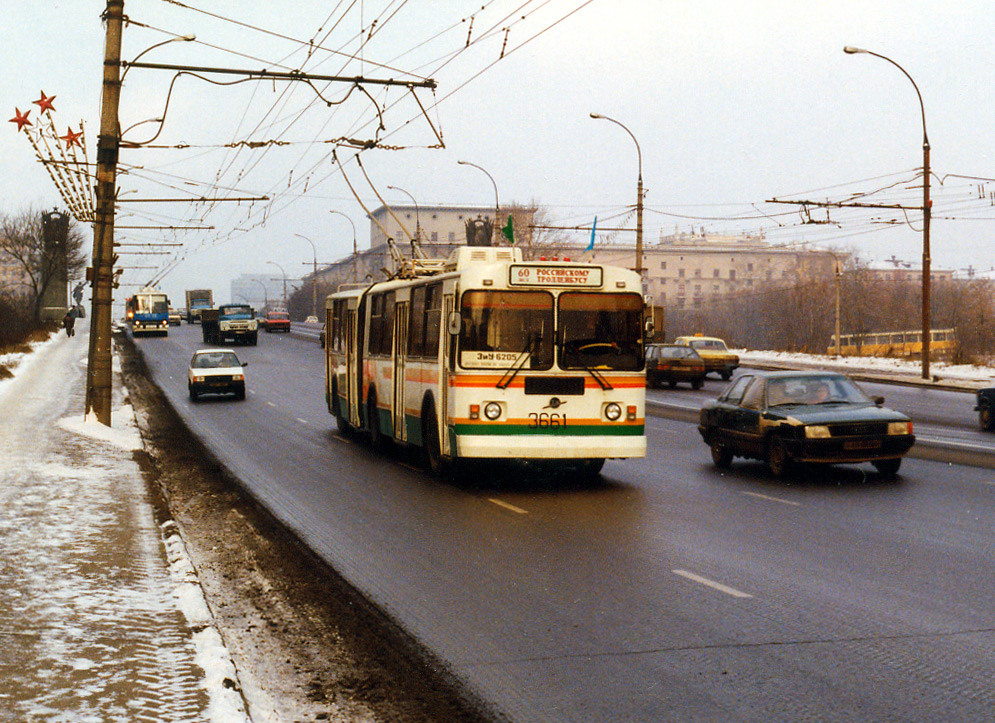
(305, 331)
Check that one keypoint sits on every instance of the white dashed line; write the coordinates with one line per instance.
(341, 439)
(712, 584)
(271, 404)
(302, 421)
(499, 503)
(773, 499)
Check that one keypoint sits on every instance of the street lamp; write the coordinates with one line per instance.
(355, 253)
(284, 282)
(927, 212)
(496, 205)
(417, 217)
(98, 366)
(265, 293)
(639, 193)
(314, 278)
(178, 39)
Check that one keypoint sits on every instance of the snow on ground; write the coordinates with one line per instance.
(101, 617)
(939, 370)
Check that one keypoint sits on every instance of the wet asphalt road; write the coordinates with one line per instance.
(669, 591)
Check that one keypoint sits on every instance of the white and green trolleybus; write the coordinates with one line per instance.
(487, 356)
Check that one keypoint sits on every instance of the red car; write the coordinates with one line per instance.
(277, 321)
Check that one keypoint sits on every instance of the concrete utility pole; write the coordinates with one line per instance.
(101, 274)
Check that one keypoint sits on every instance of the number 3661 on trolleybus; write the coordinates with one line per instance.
(486, 356)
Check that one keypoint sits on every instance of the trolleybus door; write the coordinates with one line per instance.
(353, 377)
(444, 373)
(400, 350)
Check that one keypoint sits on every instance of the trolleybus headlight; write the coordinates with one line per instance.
(492, 410)
(613, 412)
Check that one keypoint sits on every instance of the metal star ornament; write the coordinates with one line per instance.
(45, 102)
(21, 118)
(72, 139)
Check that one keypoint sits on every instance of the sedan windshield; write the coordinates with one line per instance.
(215, 360)
(812, 389)
(602, 331)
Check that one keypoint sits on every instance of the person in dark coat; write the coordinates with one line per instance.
(69, 321)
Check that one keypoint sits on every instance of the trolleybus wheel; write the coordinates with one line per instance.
(377, 440)
(431, 448)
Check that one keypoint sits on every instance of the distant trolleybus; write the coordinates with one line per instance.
(942, 342)
(147, 312)
(485, 356)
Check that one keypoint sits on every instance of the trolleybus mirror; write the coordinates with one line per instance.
(455, 323)
(649, 328)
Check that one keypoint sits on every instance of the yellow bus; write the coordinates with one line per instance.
(485, 356)
(942, 342)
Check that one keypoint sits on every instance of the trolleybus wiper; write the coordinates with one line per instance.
(605, 384)
(513, 370)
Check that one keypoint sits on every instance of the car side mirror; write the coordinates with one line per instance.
(245, 364)
(649, 328)
(455, 323)
(879, 401)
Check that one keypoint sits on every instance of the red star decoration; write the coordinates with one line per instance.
(45, 102)
(21, 118)
(72, 139)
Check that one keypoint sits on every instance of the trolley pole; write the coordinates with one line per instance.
(101, 273)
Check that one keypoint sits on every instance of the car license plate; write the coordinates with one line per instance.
(862, 444)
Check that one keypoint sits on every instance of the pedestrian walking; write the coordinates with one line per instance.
(69, 321)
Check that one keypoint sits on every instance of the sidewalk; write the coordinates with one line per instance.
(101, 618)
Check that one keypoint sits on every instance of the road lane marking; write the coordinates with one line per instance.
(773, 499)
(341, 439)
(499, 503)
(271, 404)
(712, 584)
(252, 391)
(302, 421)
(411, 467)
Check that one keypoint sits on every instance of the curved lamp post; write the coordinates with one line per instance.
(284, 281)
(314, 277)
(494, 229)
(355, 253)
(265, 292)
(926, 212)
(417, 216)
(639, 193)
(98, 366)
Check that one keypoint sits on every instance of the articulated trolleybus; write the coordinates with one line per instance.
(148, 312)
(484, 356)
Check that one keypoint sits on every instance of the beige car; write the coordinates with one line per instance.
(714, 351)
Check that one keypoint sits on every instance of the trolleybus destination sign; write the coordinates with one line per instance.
(555, 276)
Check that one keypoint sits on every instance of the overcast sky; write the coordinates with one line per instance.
(733, 104)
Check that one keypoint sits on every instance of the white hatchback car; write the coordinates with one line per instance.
(215, 371)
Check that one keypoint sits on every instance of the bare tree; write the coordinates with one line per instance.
(22, 241)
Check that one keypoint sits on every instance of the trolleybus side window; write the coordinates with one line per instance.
(381, 323)
(425, 316)
(335, 339)
(498, 327)
(600, 330)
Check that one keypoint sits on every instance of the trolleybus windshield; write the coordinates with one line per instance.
(600, 331)
(500, 327)
(151, 304)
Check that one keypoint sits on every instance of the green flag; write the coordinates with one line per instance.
(509, 231)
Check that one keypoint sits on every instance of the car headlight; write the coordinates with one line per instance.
(817, 431)
(613, 412)
(492, 410)
(238, 377)
(198, 380)
(899, 427)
